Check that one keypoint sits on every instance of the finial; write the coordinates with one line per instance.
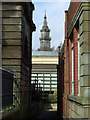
(45, 14)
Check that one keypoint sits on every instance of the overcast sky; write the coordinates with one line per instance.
(55, 18)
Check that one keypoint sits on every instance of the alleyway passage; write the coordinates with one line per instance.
(48, 113)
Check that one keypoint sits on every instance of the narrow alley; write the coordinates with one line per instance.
(48, 113)
(44, 60)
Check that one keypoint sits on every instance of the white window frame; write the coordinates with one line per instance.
(72, 71)
(78, 66)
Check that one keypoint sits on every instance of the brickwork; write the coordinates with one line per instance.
(71, 12)
(70, 67)
(75, 42)
(60, 84)
(77, 105)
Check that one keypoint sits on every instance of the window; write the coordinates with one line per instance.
(47, 74)
(72, 72)
(54, 74)
(78, 66)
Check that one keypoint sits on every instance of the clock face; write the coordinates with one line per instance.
(44, 34)
(47, 44)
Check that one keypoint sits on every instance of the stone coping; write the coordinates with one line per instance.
(80, 100)
(5, 70)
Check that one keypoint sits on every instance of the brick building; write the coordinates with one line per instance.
(76, 86)
(17, 28)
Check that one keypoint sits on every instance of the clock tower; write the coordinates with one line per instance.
(45, 36)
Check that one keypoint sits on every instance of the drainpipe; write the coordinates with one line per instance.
(65, 65)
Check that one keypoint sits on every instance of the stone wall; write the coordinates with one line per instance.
(76, 103)
(78, 106)
(11, 43)
(17, 27)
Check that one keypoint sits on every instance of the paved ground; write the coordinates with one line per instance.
(49, 113)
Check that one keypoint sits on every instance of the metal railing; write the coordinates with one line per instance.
(7, 90)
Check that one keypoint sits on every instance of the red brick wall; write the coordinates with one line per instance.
(70, 67)
(71, 11)
(75, 42)
(60, 85)
(65, 66)
(68, 60)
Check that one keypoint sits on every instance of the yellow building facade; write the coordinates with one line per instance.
(44, 70)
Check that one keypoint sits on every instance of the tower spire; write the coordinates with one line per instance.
(45, 20)
(45, 35)
(45, 14)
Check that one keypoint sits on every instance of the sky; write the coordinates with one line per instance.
(55, 12)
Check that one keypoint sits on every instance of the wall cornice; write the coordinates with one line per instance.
(83, 6)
